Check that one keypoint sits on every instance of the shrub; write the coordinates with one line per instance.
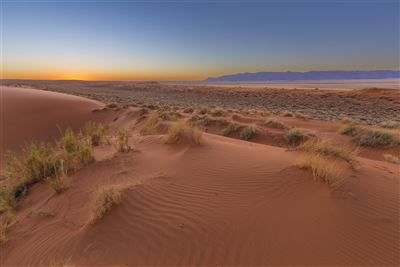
(295, 136)
(180, 132)
(123, 141)
(248, 132)
(233, 127)
(105, 198)
(322, 169)
(326, 148)
(151, 124)
(276, 124)
(392, 158)
(390, 124)
(287, 114)
(95, 131)
(376, 138)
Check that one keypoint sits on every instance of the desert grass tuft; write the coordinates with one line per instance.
(287, 114)
(371, 137)
(248, 132)
(326, 148)
(295, 136)
(392, 158)
(232, 128)
(180, 133)
(6, 221)
(60, 182)
(348, 129)
(95, 131)
(151, 124)
(322, 169)
(123, 141)
(390, 124)
(105, 199)
(276, 124)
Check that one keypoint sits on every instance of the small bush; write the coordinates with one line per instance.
(113, 105)
(248, 132)
(275, 124)
(322, 169)
(105, 198)
(390, 124)
(95, 131)
(392, 158)
(151, 124)
(376, 138)
(295, 136)
(123, 141)
(233, 127)
(287, 114)
(326, 148)
(180, 132)
(348, 129)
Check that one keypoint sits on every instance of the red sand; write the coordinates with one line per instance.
(225, 203)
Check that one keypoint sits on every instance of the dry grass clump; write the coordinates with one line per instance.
(76, 149)
(105, 198)
(60, 181)
(181, 133)
(248, 132)
(169, 115)
(95, 131)
(295, 136)
(203, 110)
(322, 169)
(392, 158)
(232, 128)
(7, 220)
(123, 141)
(328, 149)
(301, 116)
(276, 124)
(371, 137)
(151, 124)
(390, 124)
(188, 110)
(287, 114)
(112, 105)
(218, 112)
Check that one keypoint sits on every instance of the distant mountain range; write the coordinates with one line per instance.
(310, 75)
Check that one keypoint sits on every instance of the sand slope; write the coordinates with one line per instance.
(225, 203)
(28, 114)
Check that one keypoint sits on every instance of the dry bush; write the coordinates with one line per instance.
(105, 198)
(232, 128)
(95, 131)
(181, 133)
(123, 141)
(371, 137)
(322, 169)
(276, 124)
(248, 132)
(328, 149)
(6, 221)
(287, 114)
(390, 124)
(295, 136)
(203, 110)
(151, 124)
(112, 105)
(392, 158)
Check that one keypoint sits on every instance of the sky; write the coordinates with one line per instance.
(193, 40)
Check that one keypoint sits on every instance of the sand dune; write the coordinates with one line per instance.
(227, 202)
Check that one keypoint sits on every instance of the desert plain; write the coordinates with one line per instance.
(152, 174)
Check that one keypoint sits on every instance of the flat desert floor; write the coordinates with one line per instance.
(199, 176)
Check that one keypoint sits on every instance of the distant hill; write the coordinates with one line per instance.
(310, 75)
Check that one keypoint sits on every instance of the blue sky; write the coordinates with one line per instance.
(194, 40)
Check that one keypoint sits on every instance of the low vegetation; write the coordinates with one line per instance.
(287, 114)
(183, 133)
(60, 181)
(392, 158)
(371, 137)
(391, 124)
(326, 148)
(105, 199)
(6, 221)
(275, 124)
(123, 141)
(232, 128)
(151, 124)
(296, 136)
(322, 169)
(248, 132)
(95, 131)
